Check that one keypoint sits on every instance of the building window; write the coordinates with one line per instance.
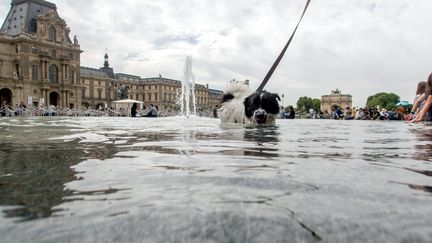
(33, 26)
(53, 74)
(34, 50)
(51, 34)
(83, 93)
(71, 77)
(17, 48)
(53, 53)
(16, 73)
(99, 94)
(156, 96)
(35, 72)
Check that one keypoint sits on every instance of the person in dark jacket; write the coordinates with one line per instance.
(134, 110)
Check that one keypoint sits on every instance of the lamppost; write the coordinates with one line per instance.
(283, 101)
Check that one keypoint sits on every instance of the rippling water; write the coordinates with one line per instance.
(195, 180)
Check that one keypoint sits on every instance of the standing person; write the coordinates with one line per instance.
(215, 114)
(291, 113)
(4, 109)
(134, 110)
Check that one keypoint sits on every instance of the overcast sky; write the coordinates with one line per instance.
(361, 47)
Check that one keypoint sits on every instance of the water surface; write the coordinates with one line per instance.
(195, 180)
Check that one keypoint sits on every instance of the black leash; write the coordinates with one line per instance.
(273, 68)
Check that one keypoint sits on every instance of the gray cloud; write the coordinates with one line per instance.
(359, 46)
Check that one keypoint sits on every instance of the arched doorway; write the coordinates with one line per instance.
(54, 99)
(85, 104)
(100, 106)
(5, 96)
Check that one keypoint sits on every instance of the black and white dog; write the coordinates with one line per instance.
(240, 105)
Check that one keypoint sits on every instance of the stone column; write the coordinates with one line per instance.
(44, 96)
(62, 73)
(62, 98)
(67, 99)
(46, 70)
(66, 74)
(43, 70)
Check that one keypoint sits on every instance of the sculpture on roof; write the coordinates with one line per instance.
(123, 92)
(76, 41)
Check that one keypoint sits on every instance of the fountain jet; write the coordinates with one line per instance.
(188, 90)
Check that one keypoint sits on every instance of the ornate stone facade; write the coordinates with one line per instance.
(335, 98)
(39, 64)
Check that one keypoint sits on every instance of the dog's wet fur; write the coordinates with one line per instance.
(240, 105)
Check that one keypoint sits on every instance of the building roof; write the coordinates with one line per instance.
(160, 80)
(127, 77)
(86, 71)
(216, 91)
(22, 16)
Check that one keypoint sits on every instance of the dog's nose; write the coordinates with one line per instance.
(260, 116)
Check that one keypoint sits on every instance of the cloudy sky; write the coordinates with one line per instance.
(361, 47)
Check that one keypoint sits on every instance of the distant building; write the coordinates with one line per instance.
(40, 65)
(100, 88)
(336, 98)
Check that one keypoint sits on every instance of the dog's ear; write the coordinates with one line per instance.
(227, 97)
(248, 105)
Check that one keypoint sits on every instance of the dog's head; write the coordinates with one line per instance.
(262, 107)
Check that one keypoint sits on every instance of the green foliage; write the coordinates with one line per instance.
(316, 105)
(306, 103)
(383, 100)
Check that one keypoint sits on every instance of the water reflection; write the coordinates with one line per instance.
(34, 170)
(423, 146)
(38, 173)
(198, 179)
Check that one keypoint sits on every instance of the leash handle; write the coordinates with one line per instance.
(273, 68)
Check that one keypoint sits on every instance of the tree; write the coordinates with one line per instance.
(383, 100)
(306, 103)
(316, 105)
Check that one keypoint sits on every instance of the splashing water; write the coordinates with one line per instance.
(188, 90)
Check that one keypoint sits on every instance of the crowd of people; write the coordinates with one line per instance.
(422, 104)
(419, 112)
(369, 113)
(338, 113)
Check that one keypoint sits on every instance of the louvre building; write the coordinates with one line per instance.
(40, 65)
